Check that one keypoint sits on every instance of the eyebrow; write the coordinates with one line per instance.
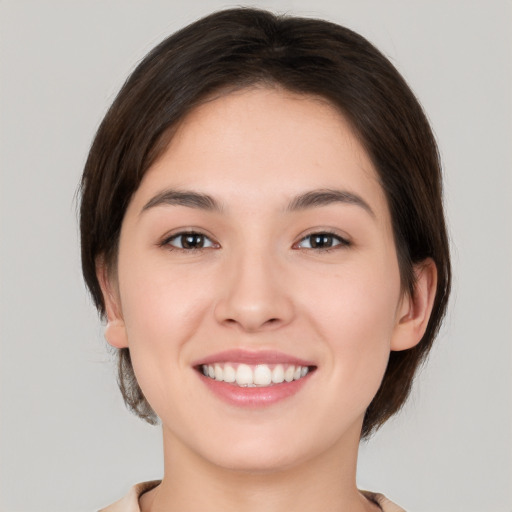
(310, 199)
(183, 198)
(325, 197)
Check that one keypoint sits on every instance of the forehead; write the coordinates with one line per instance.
(266, 145)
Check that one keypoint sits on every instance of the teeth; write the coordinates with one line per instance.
(278, 374)
(219, 372)
(289, 373)
(244, 375)
(229, 373)
(262, 375)
(254, 376)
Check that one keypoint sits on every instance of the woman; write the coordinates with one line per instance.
(262, 227)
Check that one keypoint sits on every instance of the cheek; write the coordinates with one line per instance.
(356, 315)
(360, 301)
(162, 307)
(163, 312)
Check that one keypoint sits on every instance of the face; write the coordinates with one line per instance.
(258, 250)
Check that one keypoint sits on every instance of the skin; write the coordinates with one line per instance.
(259, 285)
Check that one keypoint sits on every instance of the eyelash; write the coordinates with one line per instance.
(341, 242)
(182, 235)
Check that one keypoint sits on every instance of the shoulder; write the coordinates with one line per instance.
(381, 500)
(130, 502)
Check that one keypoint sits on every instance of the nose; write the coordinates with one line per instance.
(253, 295)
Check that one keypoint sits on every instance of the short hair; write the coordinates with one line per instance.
(243, 47)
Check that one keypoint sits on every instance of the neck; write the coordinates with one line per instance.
(191, 483)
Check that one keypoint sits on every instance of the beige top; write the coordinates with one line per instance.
(130, 503)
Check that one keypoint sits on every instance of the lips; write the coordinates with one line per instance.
(253, 379)
(253, 357)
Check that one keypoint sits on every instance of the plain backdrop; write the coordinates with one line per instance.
(67, 442)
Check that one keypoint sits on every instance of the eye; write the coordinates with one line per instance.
(322, 241)
(189, 241)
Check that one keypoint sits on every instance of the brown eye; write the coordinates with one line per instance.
(322, 241)
(190, 241)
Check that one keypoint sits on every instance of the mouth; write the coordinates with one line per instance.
(259, 375)
(254, 379)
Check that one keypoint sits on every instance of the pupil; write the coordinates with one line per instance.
(320, 241)
(191, 241)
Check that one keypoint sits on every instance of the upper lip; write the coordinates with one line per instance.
(252, 357)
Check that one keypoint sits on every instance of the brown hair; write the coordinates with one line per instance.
(237, 48)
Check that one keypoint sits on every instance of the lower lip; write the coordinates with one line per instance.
(254, 397)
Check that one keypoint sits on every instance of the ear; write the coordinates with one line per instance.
(115, 330)
(414, 310)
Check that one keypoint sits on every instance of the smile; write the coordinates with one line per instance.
(254, 379)
(259, 375)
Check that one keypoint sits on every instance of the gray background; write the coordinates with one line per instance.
(67, 443)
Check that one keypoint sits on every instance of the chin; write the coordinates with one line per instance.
(258, 461)
(269, 450)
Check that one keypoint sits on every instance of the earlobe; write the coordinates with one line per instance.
(414, 311)
(115, 330)
(115, 334)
